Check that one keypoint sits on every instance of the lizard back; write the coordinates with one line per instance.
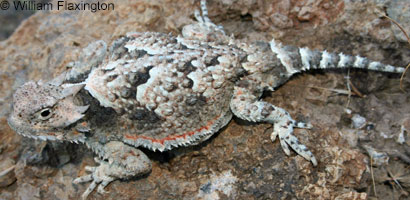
(166, 91)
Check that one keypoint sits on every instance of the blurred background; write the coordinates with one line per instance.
(11, 18)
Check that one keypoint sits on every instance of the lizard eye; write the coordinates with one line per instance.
(45, 114)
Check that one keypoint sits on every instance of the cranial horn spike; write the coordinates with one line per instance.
(57, 81)
(75, 117)
(82, 109)
(71, 89)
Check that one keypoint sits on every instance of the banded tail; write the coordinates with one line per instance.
(296, 59)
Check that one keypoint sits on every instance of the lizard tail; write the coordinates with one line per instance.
(296, 59)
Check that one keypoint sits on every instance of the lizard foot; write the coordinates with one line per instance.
(100, 176)
(121, 162)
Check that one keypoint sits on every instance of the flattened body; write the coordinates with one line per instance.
(166, 91)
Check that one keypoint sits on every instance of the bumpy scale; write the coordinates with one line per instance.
(160, 92)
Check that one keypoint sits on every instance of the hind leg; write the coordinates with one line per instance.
(247, 106)
(204, 29)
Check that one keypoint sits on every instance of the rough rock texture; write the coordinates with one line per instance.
(240, 162)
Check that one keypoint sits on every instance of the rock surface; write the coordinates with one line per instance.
(240, 162)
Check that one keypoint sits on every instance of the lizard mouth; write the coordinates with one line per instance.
(44, 135)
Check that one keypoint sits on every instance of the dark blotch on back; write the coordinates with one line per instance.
(138, 78)
(214, 61)
(187, 67)
(187, 83)
(137, 54)
(144, 115)
(117, 49)
(139, 114)
(194, 99)
(201, 100)
(191, 100)
(184, 47)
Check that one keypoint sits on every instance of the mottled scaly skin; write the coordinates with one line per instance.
(160, 91)
(166, 91)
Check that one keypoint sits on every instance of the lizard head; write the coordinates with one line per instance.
(47, 111)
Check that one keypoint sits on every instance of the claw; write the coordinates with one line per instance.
(287, 139)
(103, 184)
(88, 191)
(285, 147)
(100, 176)
(101, 190)
(106, 173)
(273, 136)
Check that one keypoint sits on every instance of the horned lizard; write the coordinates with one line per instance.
(160, 92)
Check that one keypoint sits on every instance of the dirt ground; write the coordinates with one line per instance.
(239, 162)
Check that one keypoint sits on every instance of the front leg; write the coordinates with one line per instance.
(120, 161)
(247, 106)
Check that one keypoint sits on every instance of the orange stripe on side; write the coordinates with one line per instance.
(173, 137)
